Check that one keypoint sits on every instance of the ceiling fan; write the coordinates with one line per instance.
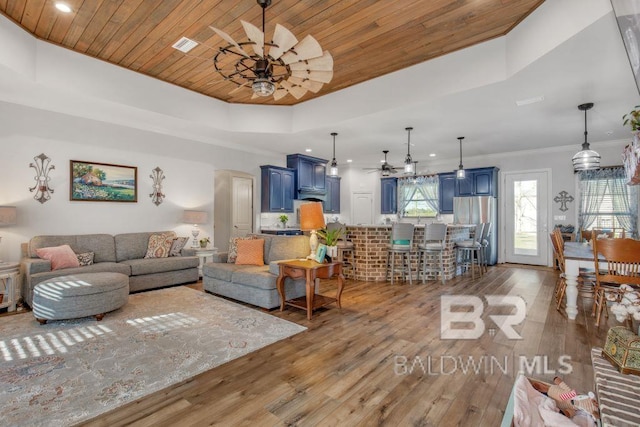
(279, 67)
(385, 168)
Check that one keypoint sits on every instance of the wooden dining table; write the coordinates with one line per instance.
(577, 255)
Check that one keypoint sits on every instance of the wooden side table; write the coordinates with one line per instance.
(312, 272)
(8, 280)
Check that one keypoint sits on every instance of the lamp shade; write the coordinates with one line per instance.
(8, 215)
(311, 217)
(194, 217)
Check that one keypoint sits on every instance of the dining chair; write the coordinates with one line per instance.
(435, 235)
(468, 252)
(400, 243)
(586, 278)
(622, 259)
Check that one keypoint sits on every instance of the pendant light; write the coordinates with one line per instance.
(409, 167)
(415, 172)
(333, 167)
(460, 174)
(585, 159)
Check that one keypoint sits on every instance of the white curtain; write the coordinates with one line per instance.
(418, 187)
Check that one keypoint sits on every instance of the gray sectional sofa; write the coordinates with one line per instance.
(120, 253)
(256, 285)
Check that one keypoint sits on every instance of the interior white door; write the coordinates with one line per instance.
(362, 208)
(526, 217)
(242, 206)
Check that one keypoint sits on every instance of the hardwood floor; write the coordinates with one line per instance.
(380, 361)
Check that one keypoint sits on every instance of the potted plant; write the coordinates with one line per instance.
(631, 153)
(204, 242)
(331, 238)
(283, 219)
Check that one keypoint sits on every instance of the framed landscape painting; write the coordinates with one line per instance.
(103, 182)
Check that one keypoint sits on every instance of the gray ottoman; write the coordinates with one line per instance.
(79, 295)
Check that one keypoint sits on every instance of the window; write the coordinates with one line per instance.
(418, 196)
(606, 202)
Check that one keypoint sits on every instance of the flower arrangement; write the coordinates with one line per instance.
(627, 304)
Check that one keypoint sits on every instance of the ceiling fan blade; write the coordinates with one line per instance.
(307, 84)
(297, 91)
(256, 36)
(318, 76)
(279, 93)
(284, 39)
(308, 48)
(322, 63)
(226, 37)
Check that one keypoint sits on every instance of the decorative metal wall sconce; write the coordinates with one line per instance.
(157, 176)
(42, 166)
(563, 198)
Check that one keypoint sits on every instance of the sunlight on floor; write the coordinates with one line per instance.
(164, 322)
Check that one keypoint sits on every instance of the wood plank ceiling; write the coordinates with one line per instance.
(367, 38)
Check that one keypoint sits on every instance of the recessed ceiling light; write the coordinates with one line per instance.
(63, 7)
(349, 160)
(528, 101)
(609, 132)
(432, 155)
(308, 150)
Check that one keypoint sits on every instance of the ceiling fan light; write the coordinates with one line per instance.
(460, 174)
(263, 87)
(385, 172)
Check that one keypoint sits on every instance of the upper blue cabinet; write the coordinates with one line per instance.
(277, 189)
(447, 191)
(477, 182)
(310, 175)
(388, 195)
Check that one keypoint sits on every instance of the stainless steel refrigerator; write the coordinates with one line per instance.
(476, 210)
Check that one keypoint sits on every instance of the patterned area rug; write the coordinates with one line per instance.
(65, 372)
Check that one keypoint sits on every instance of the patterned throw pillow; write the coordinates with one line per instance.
(177, 245)
(233, 248)
(60, 256)
(159, 246)
(250, 252)
(85, 258)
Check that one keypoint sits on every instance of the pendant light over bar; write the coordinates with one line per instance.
(333, 167)
(586, 159)
(460, 174)
(409, 167)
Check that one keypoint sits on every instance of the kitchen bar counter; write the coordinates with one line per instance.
(371, 249)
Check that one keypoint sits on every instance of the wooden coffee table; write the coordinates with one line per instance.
(312, 272)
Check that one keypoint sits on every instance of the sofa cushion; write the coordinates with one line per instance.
(233, 247)
(250, 252)
(159, 246)
(61, 257)
(221, 270)
(160, 265)
(85, 258)
(102, 245)
(257, 277)
(177, 245)
(94, 268)
(288, 247)
(133, 245)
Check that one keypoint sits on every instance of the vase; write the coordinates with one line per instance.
(332, 251)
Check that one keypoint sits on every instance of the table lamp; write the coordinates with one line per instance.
(195, 218)
(312, 219)
(8, 216)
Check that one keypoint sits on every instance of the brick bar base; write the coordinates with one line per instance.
(370, 242)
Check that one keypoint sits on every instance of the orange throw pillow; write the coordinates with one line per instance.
(60, 257)
(250, 252)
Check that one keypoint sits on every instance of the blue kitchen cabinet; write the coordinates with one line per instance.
(278, 189)
(389, 195)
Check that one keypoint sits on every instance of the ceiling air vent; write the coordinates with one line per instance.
(184, 45)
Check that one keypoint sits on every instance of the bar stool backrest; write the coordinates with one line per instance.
(486, 232)
(401, 234)
(477, 235)
(435, 233)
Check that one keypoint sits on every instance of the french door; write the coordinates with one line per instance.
(526, 216)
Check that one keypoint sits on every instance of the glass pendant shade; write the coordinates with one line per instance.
(263, 87)
(585, 159)
(460, 174)
(333, 166)
(409, 167)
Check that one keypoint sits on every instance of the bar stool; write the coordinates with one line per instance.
(433, 244)
(346, 251)
(470, 251)
(400, 243)
(484, 241)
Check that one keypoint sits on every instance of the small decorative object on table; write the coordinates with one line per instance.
(622, 349)
(321, 252)
(283, 219)
(204, 242)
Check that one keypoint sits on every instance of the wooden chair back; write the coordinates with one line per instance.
(558, 248)
(623, 261)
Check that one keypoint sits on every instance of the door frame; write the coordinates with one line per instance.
(502, 210)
